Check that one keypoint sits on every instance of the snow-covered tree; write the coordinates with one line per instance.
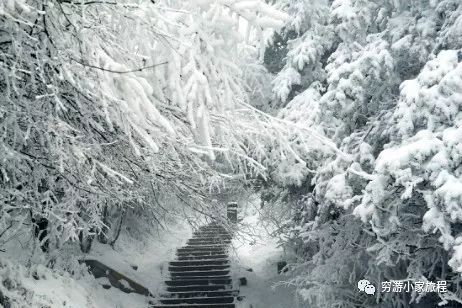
(379, 78)
(108, 104)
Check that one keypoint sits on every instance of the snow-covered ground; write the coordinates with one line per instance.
(150, 256)
(255, 257)
(39, 286)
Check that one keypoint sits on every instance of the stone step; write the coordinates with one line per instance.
(210, 227)
(186, 256)
(211, 273)
(208, 241)
(199, 288)
(196, 306)
(200, 262)
(200, 294)
(205, 247)
(211, 231)
(202, 249)
(200, 253)
(196, 282)
(199, 277)
(189, 268)
(212, 239)
(199, 300)
(200, 243)
(217, 238)
(211, 234)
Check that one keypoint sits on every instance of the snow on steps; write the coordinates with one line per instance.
(199, 277)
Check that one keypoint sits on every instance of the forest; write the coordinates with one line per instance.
(339, 120)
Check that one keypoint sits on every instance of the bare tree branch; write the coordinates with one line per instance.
(120, 72)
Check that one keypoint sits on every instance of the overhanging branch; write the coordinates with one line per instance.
(119, 72)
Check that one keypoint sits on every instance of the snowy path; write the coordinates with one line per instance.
(200, 276)
(258, 250)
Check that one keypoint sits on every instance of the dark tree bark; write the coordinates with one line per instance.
(41, 232)
(119, 228)
(86, 240)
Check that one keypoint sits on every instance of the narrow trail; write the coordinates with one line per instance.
(200, 275)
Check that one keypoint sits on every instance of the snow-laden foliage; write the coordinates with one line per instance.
(425, 155)
(382, 80)
(105, 105)
(353, 130)
(39, 286)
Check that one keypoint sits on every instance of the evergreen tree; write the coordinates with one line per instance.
(381, 79)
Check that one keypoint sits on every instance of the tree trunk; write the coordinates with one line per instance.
(119, 228)
(86, 240)
(103, 234)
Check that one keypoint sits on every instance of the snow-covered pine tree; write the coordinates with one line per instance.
(343, 74)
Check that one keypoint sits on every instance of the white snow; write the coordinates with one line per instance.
(55, 288)
(151, 255)
(282, 84)
(255, 249)
(419, 148)
(338, 191)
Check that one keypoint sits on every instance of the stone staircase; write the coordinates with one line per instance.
(200, 276)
